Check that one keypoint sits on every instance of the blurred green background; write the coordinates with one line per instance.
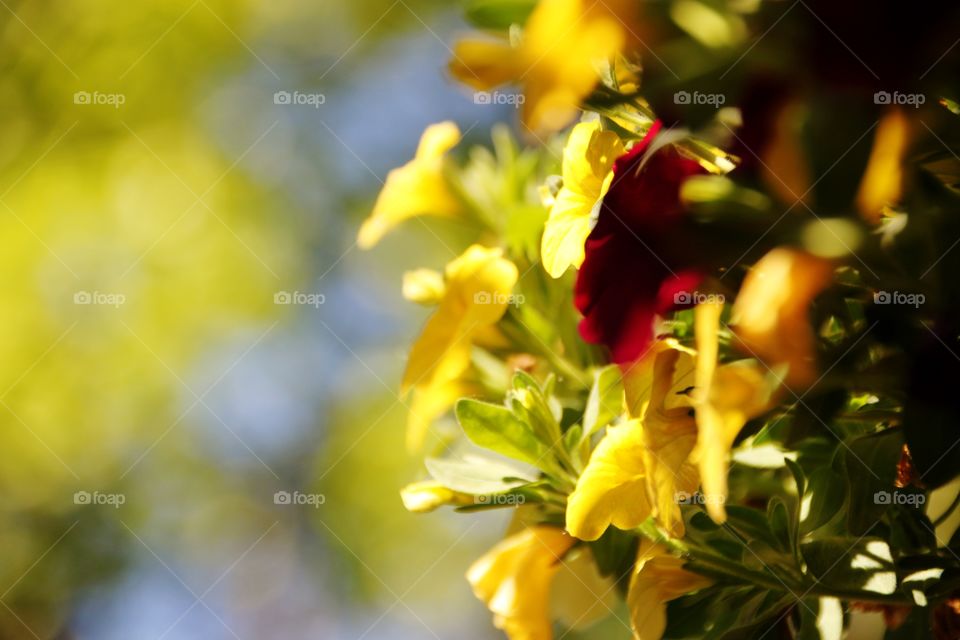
(171, 173)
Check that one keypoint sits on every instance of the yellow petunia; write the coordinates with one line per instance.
(514, 580)
(613, 489)
(670, 434)
(771, 313)
(475, 295)
(725, 397)
(554, 60)
(587, 172)
(640, 466)
(417, 188)
(657, 578)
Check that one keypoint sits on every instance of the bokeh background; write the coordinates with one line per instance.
(159, 201)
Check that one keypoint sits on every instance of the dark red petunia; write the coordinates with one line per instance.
(636, 266)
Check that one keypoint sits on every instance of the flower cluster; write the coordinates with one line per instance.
(676, 350)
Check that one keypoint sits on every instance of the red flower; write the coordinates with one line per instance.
(635, 266)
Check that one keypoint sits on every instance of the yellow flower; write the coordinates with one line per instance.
(658, 577)
(423, 286)
(416, 188)
(639, 466)
(514, 579)
(670, 434)
(771, 313)
(882, 182)
(613, 488)
(427, 495)
(587, 162)
(554, 61)
(476, 293)
(725, 397)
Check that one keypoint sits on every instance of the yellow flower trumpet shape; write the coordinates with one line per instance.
(587, 172)
(475, 294)
(639, 466)
(554, 60)
(515, 577)
(725, 397)
(771, 313)
(417, 188)
(658, 577)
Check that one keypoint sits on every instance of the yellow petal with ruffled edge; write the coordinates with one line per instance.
(477, 290)
(587, 162)
(670, 435)
(417, 188)
(514, 579)
(613, 488)
(657, 578)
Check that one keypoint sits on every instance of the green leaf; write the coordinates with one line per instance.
(871, 467)
(824, 497)
(605, 401)
(780, 524)
(478, 475)
(530, 406)
(850, 564)
(498, 14)
(798, 476)
(494, 427)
